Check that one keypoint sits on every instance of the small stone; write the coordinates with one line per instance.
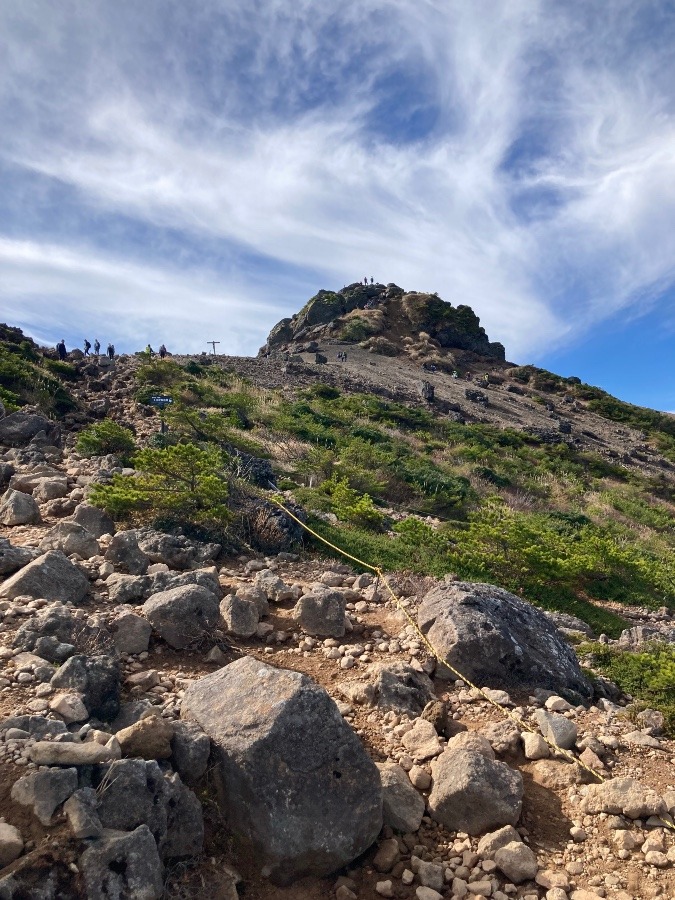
(534, 746)
(517, 862)
(427, 893)
(658, 859)
(148, 738)
(384, 888)
(70, 707)
(419, 778)
(578, 835)
(386, 856)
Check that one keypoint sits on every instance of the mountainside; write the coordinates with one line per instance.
(234, 702)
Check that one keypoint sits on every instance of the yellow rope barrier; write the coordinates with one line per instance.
(522, 725)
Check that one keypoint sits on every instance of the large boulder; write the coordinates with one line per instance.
(183, 614)
(321, 614)
(51, 576)
(125, 554)
(292, 776)
(176, 551)
(473, 793)
(499, 640)
(17, 508)
(69, 537)
(96, 521)
(19, 428)
(13, 558)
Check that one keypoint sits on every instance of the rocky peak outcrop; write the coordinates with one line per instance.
(384, 318)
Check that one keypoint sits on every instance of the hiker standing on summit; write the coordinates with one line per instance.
(61, 349)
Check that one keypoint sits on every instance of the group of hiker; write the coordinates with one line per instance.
(342, 356)
(161, 352)
(63, 353)
(96, 347)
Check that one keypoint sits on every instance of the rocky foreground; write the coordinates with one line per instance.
(176, 723)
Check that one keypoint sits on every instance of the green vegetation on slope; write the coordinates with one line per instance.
(649, 674)
(560, 527)
(28, 377)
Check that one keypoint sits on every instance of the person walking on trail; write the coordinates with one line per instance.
(87, 347)
(97, 347)
(61, 349)
(162, 351)
(111, 351)
(149, 350)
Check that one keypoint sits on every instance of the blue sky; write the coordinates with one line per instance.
(182, 172)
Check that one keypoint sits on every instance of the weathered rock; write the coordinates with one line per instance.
(125, 554)
(11, 844)
(44, 791)
(183, 614)
(473, 793)
(185, 821)
(190, 751)
(149, 738)
(273, 587)
(96, 521)
(495, 840)
(18, 429)
(623, 796)
(503, 737)
(70, 707)
(534, 746)
(279, 742)
(81, 811)
(517, 861)
(555, 728)
(53, 633)
(499, 640)
(69, 537)
(471, 740)
(421, 741)
(402, 806)
(135, 794)
(123, 865)
(50, 489)
(554, 775)
(240, 616)
(51, 576)
(400, 688)
(18, 509)
(131, 633)
(387, 855)
(96, 678)
(176, 551)
(127, 588)
(13, 558)
(51, 753)
(256, 595)
(321, 614)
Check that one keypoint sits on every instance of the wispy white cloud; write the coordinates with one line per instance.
(77, 293)
(538, 190)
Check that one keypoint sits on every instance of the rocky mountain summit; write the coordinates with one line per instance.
(191, 714)
(387, 319)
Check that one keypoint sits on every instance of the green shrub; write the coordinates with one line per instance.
(106, 437)
(351, 506)
(648, 675)
(184, 482)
